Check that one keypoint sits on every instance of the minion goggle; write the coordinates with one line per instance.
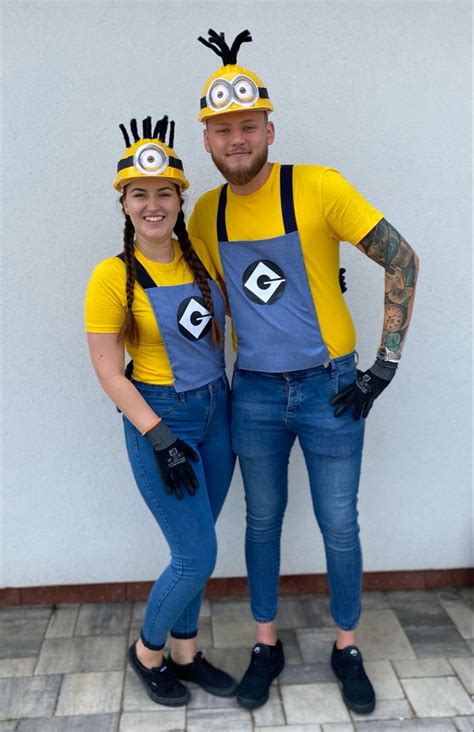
(149, 157)
(232, 88)
(233, 92)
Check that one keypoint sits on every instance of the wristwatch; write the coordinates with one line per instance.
(384, 354)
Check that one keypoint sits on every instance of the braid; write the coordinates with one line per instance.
(200, 274)
(129, 330)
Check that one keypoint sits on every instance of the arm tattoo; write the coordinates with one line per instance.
(389, 249)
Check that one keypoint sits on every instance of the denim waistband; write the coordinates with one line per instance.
(170, 391)
(333, 364)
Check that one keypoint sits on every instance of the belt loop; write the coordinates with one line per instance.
(356, 358)
(182, 397)
(333, 367)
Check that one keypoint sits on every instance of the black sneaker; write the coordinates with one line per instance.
(203, 673)
(357, 691)
(160, 682)
(266, 663)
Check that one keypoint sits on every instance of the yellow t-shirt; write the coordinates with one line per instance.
(328, 210)
(106, 304)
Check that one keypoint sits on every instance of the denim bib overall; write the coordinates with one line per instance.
(185, 326)
(271, 303)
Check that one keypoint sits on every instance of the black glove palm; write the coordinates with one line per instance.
(365, 389)
(172, 456)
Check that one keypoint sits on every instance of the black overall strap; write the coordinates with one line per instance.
(142, 276)
(286, 195)
(221, 227)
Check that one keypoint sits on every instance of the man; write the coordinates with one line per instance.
(273, 232)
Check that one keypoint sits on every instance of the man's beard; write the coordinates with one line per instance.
(245, 175)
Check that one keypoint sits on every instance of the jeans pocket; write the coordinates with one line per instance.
(344, 377)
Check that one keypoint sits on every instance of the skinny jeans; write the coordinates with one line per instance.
(200, 417)
(269, 411)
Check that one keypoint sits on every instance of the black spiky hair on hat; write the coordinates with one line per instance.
(159, 132)
(218, 44)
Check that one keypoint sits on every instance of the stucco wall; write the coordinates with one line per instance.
(379, 90)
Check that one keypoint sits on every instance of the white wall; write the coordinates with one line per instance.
(379, 90)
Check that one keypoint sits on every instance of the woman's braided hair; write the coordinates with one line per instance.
(200, 274)
(129, 330)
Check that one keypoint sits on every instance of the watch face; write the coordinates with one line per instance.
(394, 317)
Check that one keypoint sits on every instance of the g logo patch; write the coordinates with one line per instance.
(194, 319)
(263, 282)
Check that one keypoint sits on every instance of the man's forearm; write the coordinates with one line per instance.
(388, 248)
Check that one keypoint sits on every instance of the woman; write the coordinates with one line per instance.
(157, 299)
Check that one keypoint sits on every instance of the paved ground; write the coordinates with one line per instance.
(64, 669)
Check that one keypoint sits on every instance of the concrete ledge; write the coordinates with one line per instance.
(296, 584)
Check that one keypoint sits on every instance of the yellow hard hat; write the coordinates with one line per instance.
(149, 155)
(231, 88)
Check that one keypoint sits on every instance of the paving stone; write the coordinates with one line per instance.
(62, 622)
(437, 642)
(204, 637)
(467, 594)
(448, 595)
(235, 608)
(422, 614)
(407, 725)
(464, 668)
(419, 667)
(77, 655)
(200, 699)
(83, 723)
(272, 712)
(375, 601)
(135, 698)
(310, 703)
(8, 726)
(34, 696)
(387, 709)
(22, 631)
(290, 646)
(161, 721)
(232, 632)
(138, 611)
(108, 618)
(384, 680)
(306, 673)
(205, 611)
(438, 697)
(291, 614)
(17, 667)
(464, 724)
(232, 660)
(315, 644)
(316, 613)
(380, 636)
(403, 597)
(23, 612)
(230, 720)
(294, 728)
(343, 727)
(462, 617)
(92, 693)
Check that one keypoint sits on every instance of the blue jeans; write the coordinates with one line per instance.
(268, 412)
(200, 417)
